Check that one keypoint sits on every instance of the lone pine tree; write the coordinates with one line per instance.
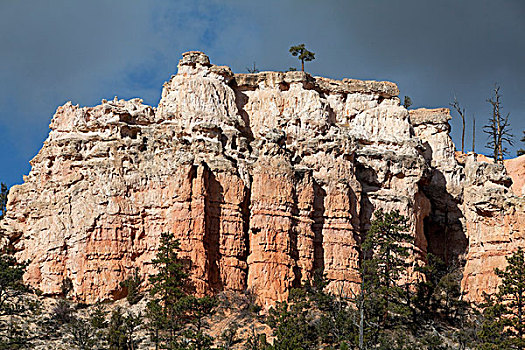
(303, 54)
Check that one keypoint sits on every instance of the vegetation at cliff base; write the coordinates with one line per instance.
(400, 304)
(176, 319)
(12, 303)
(504, 312)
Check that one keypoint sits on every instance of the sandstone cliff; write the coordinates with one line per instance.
(264, 178)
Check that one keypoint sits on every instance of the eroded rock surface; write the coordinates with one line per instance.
(495, 224)
(264, 178)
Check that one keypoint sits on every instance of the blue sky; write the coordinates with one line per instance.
(85, 51)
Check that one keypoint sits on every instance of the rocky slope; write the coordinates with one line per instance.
(265, 178)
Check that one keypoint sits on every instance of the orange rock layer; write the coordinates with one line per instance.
(264, 178)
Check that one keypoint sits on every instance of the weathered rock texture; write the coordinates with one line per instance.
(265, 178)
(495, 220)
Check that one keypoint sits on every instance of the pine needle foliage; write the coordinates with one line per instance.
(302, 54)
(383, 301)
(176, 319)
(386, 248)
(132, 286)
(504, 313)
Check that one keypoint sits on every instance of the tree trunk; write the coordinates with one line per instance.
(474, 135)
(361, 323)
(463, 135)
(520, 319)
(302, 65)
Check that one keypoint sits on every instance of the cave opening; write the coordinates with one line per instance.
(445, 236)
(436, 234)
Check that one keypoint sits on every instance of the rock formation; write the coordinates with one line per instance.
(264, 178)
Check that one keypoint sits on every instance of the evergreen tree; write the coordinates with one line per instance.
(121, 330)
(407, 102)
(253, 69)
(164, 311)
(132, 287)
(429, 276)
(302, 53)
(82, 334)
(229, 336)
(196, 310)
(313, 319)
(292, 323)
(382, 302)
(12, 304)
(13, 336)
(337, 324)
(11, 284)
(116, 335)
(62, 312)
(176, 318)
(256, 341)
(504, 318)
(98, 317)
(448, 297)
(491, 334)
(3, 199)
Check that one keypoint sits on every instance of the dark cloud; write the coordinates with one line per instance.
(55, 51)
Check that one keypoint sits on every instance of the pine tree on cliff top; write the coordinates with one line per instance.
(302, 53)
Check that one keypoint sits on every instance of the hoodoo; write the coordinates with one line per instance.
(264, 178)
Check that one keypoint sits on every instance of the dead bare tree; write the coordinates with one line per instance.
(461, 112)
(498, 128)
(253, 69)
(473, 134)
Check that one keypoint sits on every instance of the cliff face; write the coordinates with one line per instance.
(495, 221)
(264, 178)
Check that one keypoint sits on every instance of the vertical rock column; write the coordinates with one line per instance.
(225, 239)
(339, 245)
(270, 274)
(304, 234)
(495, 225)
(187, 221)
